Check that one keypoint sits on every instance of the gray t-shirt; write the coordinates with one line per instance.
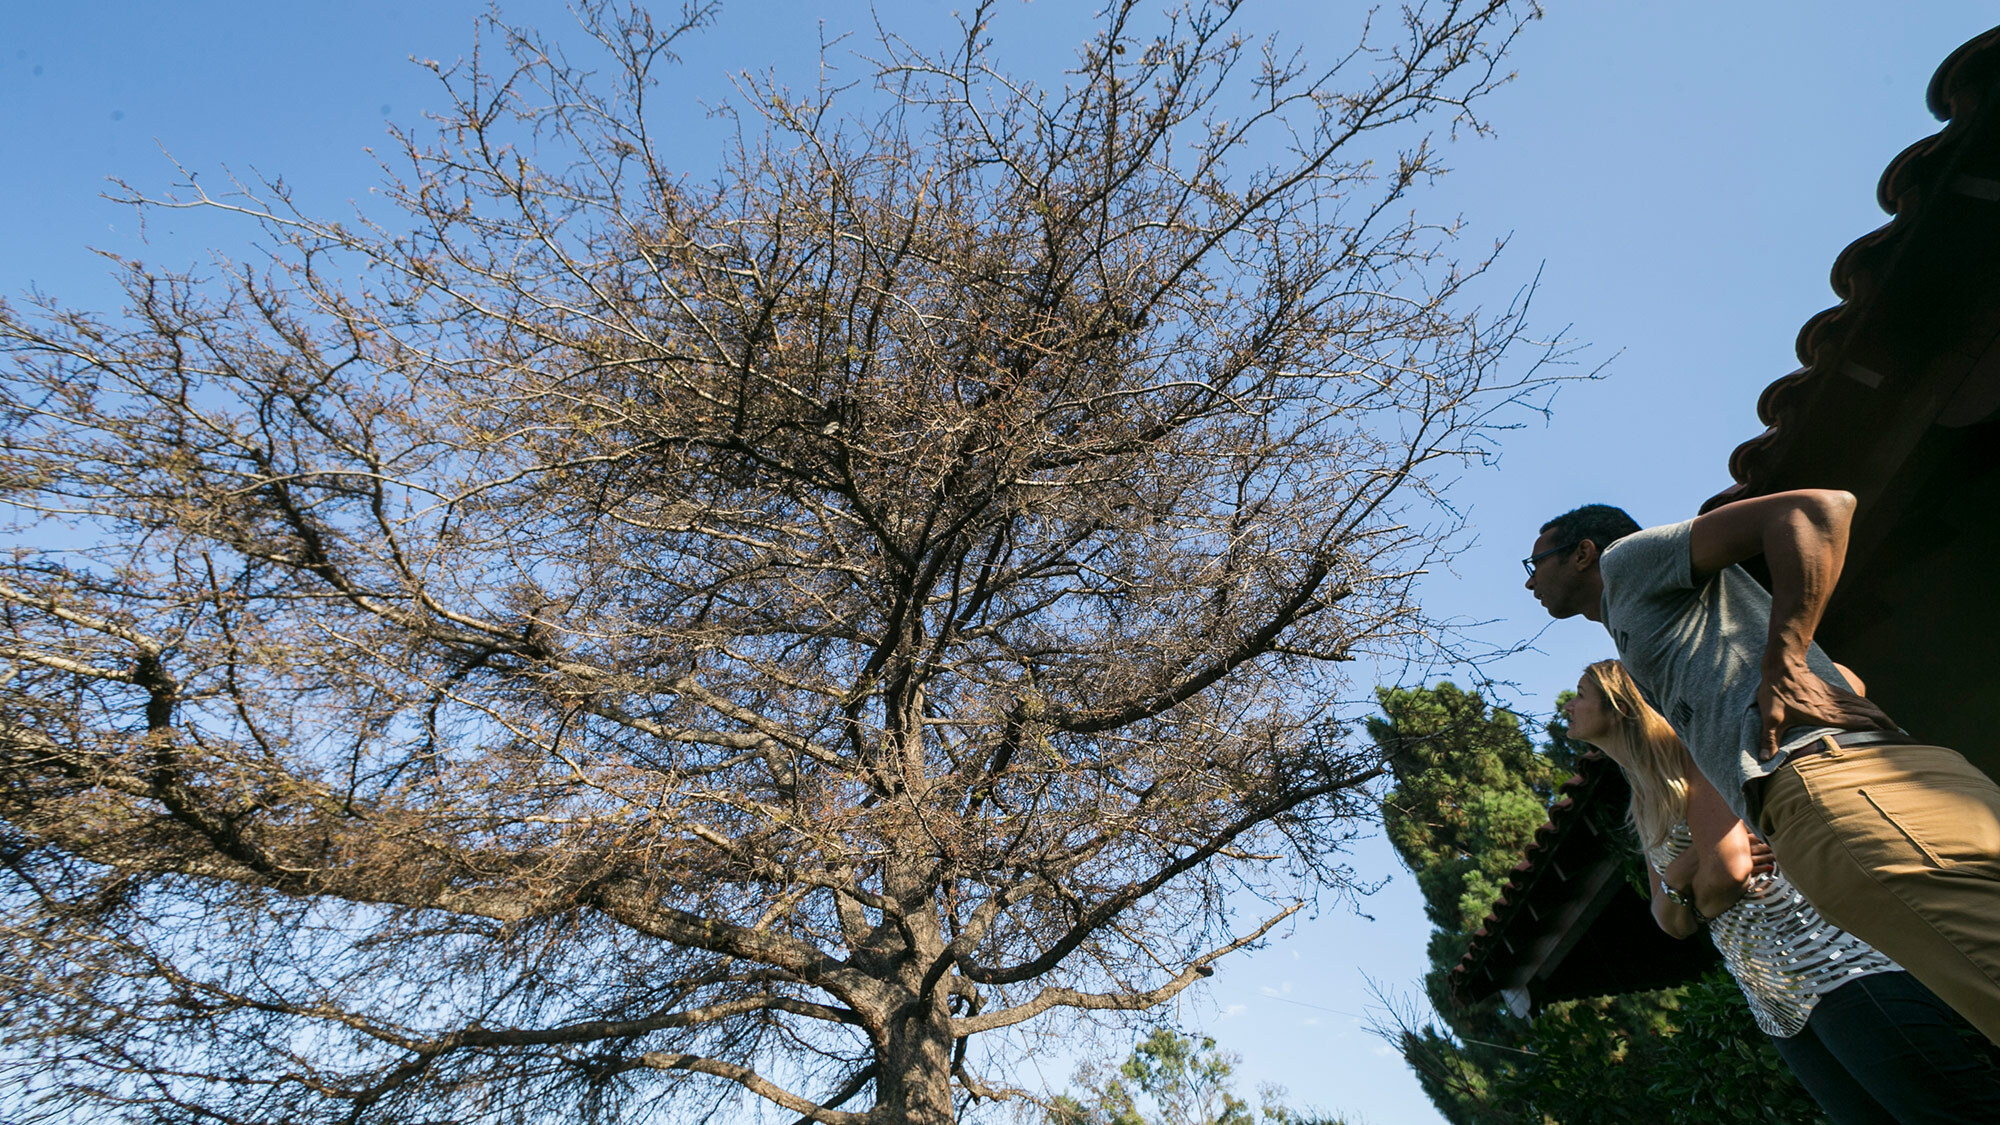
(1697, 651)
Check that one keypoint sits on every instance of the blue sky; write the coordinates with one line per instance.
(1681, 176)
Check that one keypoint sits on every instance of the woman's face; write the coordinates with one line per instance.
(1590, 714)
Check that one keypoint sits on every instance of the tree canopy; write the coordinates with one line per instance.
(1173, 1079)
(621, 635)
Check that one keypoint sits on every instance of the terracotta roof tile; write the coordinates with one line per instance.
(1570, 808)
(1917, 174)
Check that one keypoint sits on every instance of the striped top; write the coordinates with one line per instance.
(1783, 955)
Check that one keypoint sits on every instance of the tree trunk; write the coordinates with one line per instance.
(913, 1079)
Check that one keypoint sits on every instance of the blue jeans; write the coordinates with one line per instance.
(1883, 1050)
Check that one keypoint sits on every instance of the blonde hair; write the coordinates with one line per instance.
(1645, 747)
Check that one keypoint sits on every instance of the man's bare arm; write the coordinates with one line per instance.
(1811, 521)
(1803, 538)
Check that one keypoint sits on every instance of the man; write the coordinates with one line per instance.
(1895, 841)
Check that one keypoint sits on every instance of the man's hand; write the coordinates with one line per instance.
(1763, 860)
(1792, 696)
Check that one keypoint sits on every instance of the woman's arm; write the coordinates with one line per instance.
(1853, 681)
(1714, 870)
(1673, 917)
(1721, 846)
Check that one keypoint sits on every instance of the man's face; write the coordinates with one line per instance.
(1556, 583)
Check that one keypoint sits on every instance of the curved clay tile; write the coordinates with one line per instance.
(1572, 802)
(1965, 77)
(1964, 73)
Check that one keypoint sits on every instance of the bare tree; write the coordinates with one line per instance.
(608, 640)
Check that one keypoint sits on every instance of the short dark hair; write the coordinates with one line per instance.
(1602, 524)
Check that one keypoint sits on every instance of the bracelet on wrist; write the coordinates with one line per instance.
(1678, 898)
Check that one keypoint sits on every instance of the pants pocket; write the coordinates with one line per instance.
(1951, 824)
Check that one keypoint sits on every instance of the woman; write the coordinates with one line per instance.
(1866, 1040)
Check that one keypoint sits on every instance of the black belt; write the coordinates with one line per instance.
(1753, 789)
(1848, 738)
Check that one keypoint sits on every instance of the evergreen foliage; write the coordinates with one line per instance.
(1174, 1079)
(1470, 791)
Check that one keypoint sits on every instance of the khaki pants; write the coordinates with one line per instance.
(1900, 846)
